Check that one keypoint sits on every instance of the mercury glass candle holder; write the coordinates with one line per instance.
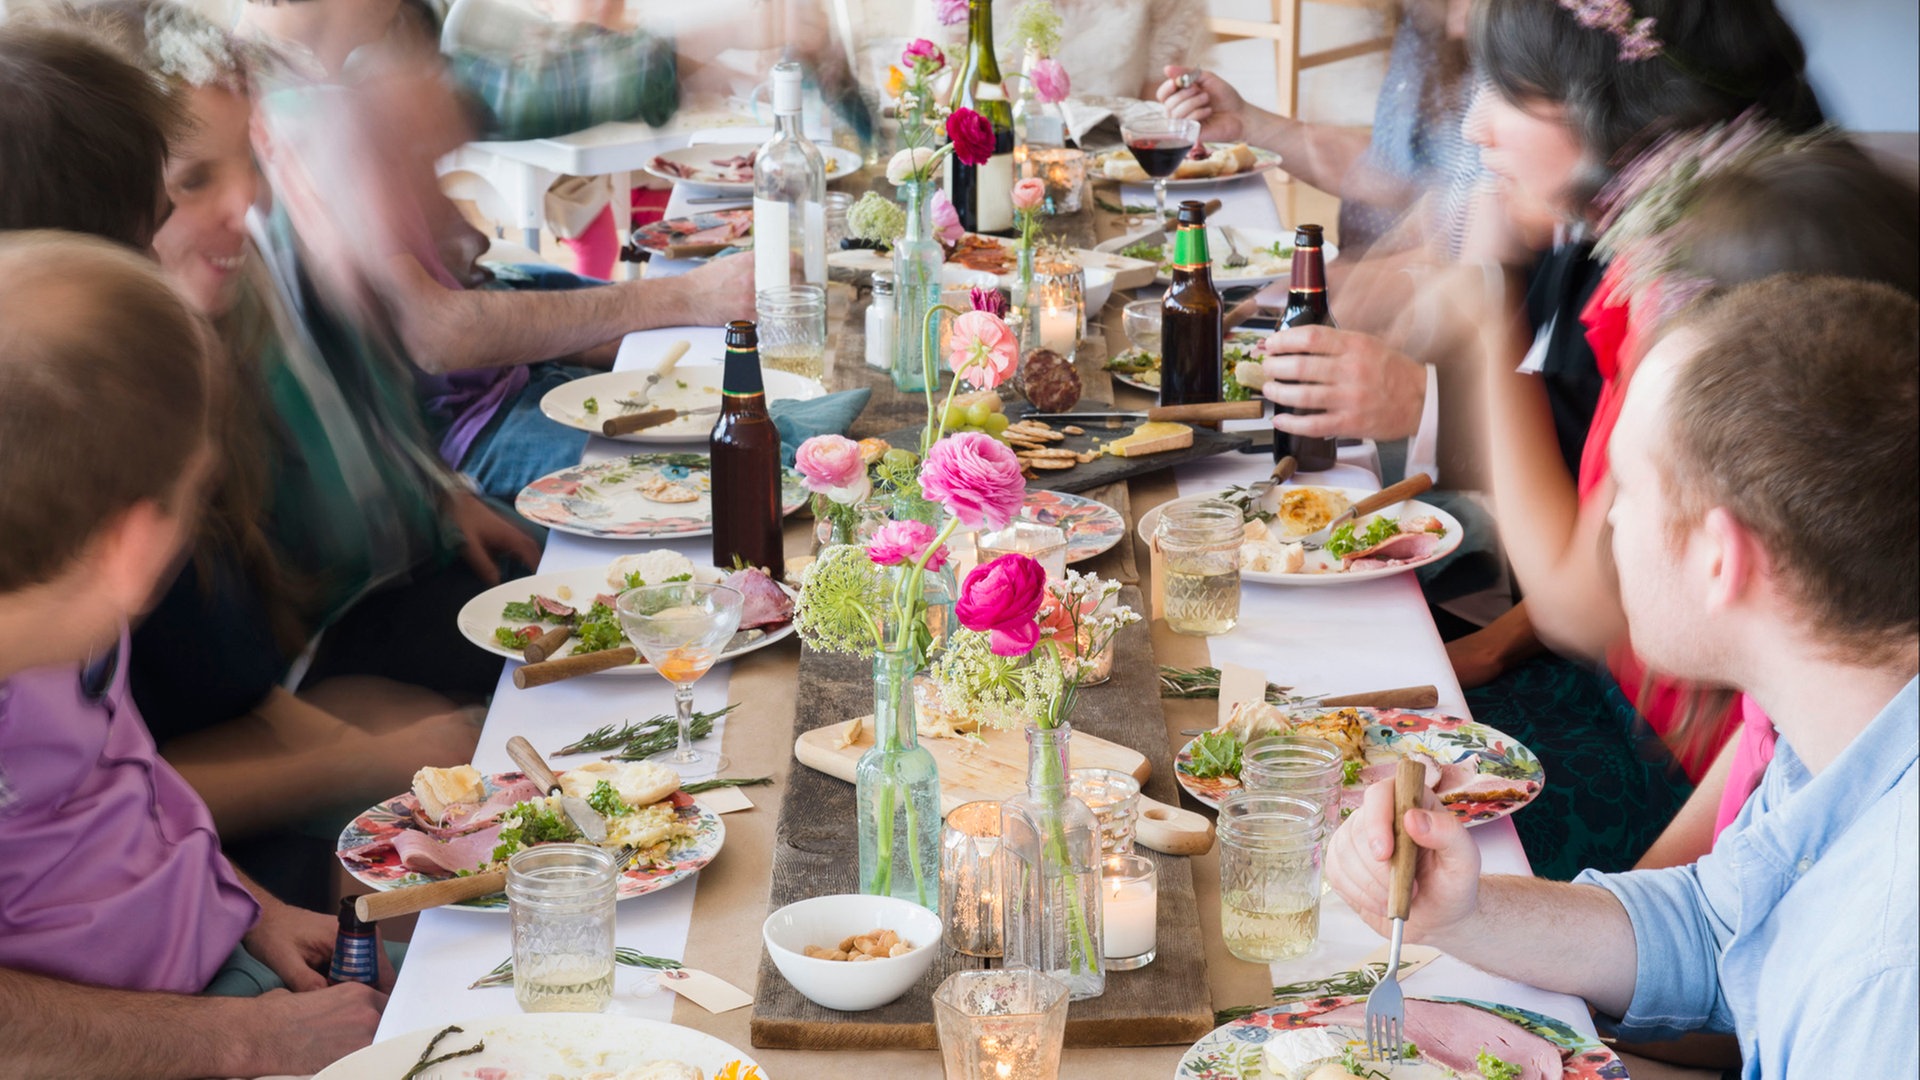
(1000, 1024)
(1064, 170)
(970, 896)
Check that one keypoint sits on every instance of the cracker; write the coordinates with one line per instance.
(1054, 452)
(1073, 429)
(1050, 464)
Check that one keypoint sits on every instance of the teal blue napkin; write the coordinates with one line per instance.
(799, 421)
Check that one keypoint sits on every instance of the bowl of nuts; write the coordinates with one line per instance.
(852, 952)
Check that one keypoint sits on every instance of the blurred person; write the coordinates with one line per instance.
(289, 538)
(1798, 933)
(116, 906)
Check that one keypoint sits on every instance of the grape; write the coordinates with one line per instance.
(899, 460)
(977, 414)
(954, 417)
(996, 423)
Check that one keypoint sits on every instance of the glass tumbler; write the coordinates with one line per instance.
(970, 896)
(1298, 765)
(1270, 856)
(1198, 545)
(1114, 798)
(1000, 1024)
(793, 329)
(560, 897)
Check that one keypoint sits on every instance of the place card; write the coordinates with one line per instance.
(1412, 958)
(709, 991)
(1238, 685)
(724, 800)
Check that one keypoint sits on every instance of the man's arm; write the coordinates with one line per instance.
(55, 1028)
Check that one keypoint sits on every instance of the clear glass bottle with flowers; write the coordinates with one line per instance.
(1021, 657)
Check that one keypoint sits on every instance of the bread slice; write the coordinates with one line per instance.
(638, 783)
(438, 789)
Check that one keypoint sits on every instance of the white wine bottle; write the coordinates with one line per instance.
(789, 196)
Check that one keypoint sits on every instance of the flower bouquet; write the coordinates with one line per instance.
(918, 256)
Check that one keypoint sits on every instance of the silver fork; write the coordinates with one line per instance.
(1387, 1006)
(674, 352)
(1234, 259)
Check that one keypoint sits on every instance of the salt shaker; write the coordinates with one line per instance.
(880, 317)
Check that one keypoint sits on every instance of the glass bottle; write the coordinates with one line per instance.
(1050, 842)
(356, 948)
(983, 194)
(1306, 306)
(789, 196)
(897, 793)
(1037, 125)
(917, 260)
(560, 898)
(744, 451)
(1191, 328)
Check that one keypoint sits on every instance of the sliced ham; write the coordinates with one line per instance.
(554, 607)
(719, 234)
(1453, 1035)
(424, 854)
(672, 168)
(1488, 789)
(767, 604)
(466, 817)
(1400, 548)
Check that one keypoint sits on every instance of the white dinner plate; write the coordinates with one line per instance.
(1318, 562)
(689, 386)
(1263, 160)
(527, 1045)
(1263, 264)
(840, 162)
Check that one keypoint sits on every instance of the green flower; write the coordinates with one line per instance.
(1037, 26)
(876, 217)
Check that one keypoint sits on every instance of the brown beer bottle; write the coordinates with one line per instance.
(745, 449)
(1306, 306)
(1191, 337)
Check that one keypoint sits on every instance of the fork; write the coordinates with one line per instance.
(1387, 1006)
(674, 352)
(1234, 259)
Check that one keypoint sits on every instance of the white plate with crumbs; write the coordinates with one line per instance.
(536, 1046)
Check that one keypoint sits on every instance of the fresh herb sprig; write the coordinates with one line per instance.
(428, 1061)
(1345, 541)
(641, 731)
(607, 801)
(1493, 1068)
(1204, 682)
(719, 782)
(1129, 209)
(502, 974)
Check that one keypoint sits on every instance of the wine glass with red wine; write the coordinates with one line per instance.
(1159, 143)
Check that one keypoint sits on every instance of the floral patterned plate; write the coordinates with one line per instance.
(637, 497)
(550, 1044)
(1446, 739)
(385, 872)
(1091, 526)
(1233, 1051)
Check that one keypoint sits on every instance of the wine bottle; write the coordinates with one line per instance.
(983, 194)
(1306, 306)
(745, 457)
(789, 196)
(1191, 336)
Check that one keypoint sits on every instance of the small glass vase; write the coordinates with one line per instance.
(897, 793)
(1050, 844)
(917, 262)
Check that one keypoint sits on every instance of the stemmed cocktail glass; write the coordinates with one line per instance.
(681, 627)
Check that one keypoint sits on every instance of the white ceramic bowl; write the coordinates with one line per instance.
(825, 921)
(1099, 287)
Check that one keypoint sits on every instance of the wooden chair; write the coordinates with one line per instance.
(1288, 61)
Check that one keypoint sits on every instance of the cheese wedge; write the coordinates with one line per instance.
(1153, 437)
(438, 789)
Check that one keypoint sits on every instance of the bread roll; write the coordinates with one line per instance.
(1122, 167)
(438, 789)
(638, 783)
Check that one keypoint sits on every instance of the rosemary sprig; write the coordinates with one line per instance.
(428, 1061)
(649, 732)
(699, 786)
(502, 974)
(1129, 209)
(1204, 682)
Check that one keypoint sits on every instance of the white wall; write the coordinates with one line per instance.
(1863, 57)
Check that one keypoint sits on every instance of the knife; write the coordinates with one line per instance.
(584, 817)
(1206, 412)
(640, 421)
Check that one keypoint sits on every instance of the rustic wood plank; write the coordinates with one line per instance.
(816, 852)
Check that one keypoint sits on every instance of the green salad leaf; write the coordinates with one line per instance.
(591, 405)
(527, 825)
(527, 612)
(598, 630)
(1350, 772)
(607, 801)
(1492, 1068)
(1145, 249)
(513, 639)
(1345, 540)
(1216, 753)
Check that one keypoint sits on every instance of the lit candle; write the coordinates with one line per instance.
(1129, 909)
(1059, 329)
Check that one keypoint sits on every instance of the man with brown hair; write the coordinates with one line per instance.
(110, 122)
(115, 902)
(1767, 462)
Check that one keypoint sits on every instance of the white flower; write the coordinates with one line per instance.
(908, 163)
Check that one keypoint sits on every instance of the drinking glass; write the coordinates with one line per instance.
(1198, 545)
(561, 897)
(1159, 143)
(793, 329)
(1301, 766)
(1270, 856)
(1045, 544)
(680, 627)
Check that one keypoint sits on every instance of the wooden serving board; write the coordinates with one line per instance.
(816, 852)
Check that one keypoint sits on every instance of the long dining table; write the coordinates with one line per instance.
(1341, 639)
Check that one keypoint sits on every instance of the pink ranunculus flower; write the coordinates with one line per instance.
(950, 12)
(832, 467)
(946, 219)
(1000, 599)
(989, 300)
(984, 351)
(972, 136)
(1050, 83)
(976, 477)
(899, 542)
(920, 52)
(1029, 194)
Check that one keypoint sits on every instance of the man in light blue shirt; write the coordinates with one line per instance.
(1767, 466)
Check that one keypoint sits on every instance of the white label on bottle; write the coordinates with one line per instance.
(816, 244)
(993, 187)
(772, 261)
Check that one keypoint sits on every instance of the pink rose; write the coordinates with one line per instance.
(1050, 82)
(983, 350)
(976, 477)
(832, 467)
(946, 220)
(1000, 599)
(899, 542)
(991, 300)
(950, 12)
(972, 136)
(923, 55)
(1029, 194)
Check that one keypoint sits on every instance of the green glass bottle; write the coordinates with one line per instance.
(983, 194)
